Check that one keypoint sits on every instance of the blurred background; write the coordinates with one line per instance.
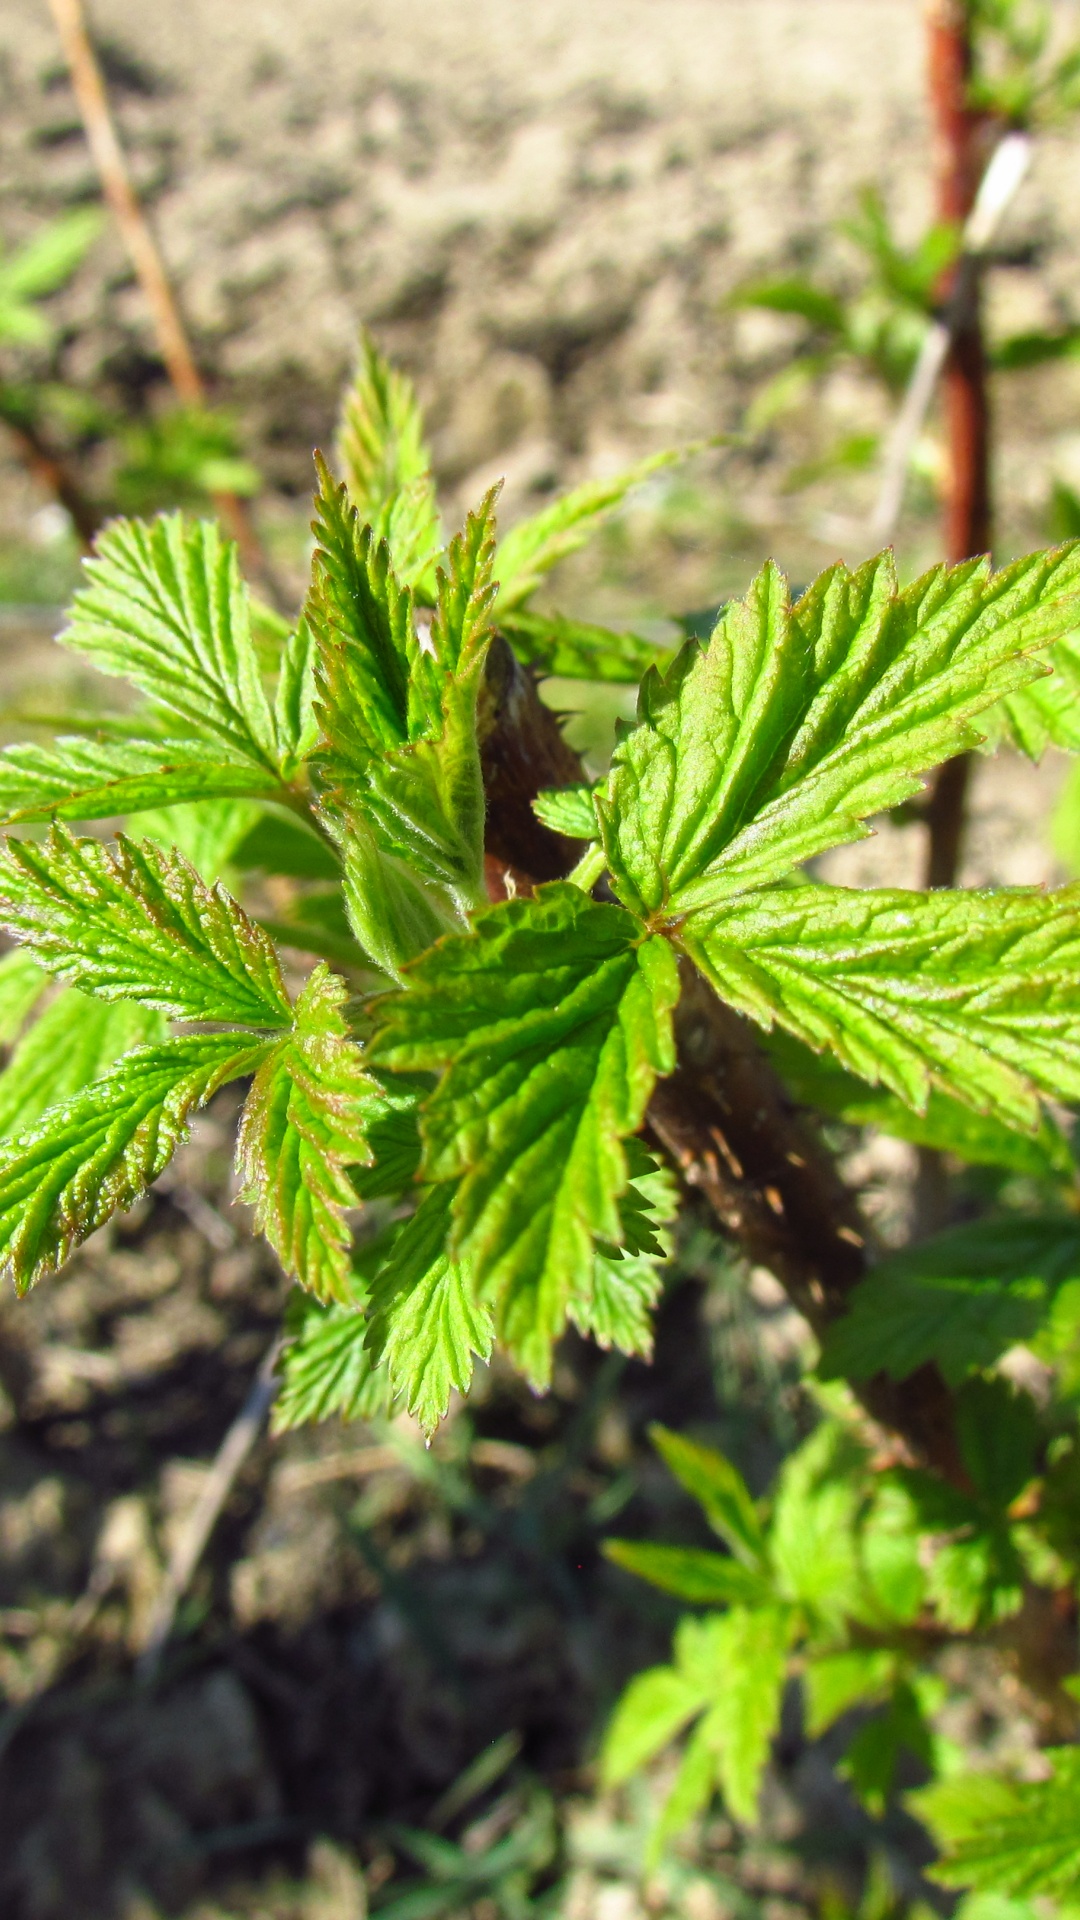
(588, 233)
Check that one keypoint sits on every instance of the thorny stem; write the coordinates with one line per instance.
(727, 1122)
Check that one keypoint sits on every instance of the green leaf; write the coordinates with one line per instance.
(799, 297)
(207, 832)
(48, 260)
(614, 1305)
(890, 1548)
(295, 722)
(1046, 713)
(68, 1046)
(750, 1649)
(795, 724)
(812, 1540)
(998, 1429)
(96, 1154)
(22, 983)
(166, 608)
(577, 650)
(426, 1322)
(655, 1707)
(386, 464)
(972, 992)
(871, 1760)
(719, 1488)
(819, 1081)
(79, 779)
(537, 544)
(1018, 1837)
(401, 762)
(549, 1024)
(327, 1369)
(139, 924)
(960, 1299)
(302, 1128)
(691, 1573)
(836, 1682)
(281, 843)
(567, 810)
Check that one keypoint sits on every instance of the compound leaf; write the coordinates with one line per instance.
(959, 1299)
(549, 1024)
(140, 924)
(95, 1154)
(303, 1127)
(166, 608)
(70, 1044)
(794, 724)
(1018, 1837)
(972, 992)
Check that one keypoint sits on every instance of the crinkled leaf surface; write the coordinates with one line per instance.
(303, 1127)
(167, 609)
(70, 1044)
(79, 779)
(1019, 1837)
(959, 1299)
(549, 1025)
(567, 810)
(96, 1153)
(400, 762)
(426, 1324)
(973, 992)
(794, 724)
(140, 924)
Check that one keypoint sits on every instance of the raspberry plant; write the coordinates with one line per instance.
(496, 1020)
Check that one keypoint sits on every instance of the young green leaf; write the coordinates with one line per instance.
(972, 992)
(550, 1024)
(207, 832)
(426, 1324)
(750, 1649)
(68, 1046)
(708, 1579)
(577, 650)
(1019, 1837)
(959, 1299)
(167, 609)
(537, 544)
(401, 766)
(139, 924)
(819, 1081)
(794, 724)
(614, 1304)
(79, 779)
(95, 1154)
(302, 1128)
(567, 810)
(387, 466)
(295, 722)
(719, 1488)
(327, 1370)
(812, 1540)
(655, 1707)
(836, 1682)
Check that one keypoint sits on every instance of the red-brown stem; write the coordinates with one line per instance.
(958, 165)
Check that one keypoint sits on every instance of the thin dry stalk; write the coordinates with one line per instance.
(118, 189)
